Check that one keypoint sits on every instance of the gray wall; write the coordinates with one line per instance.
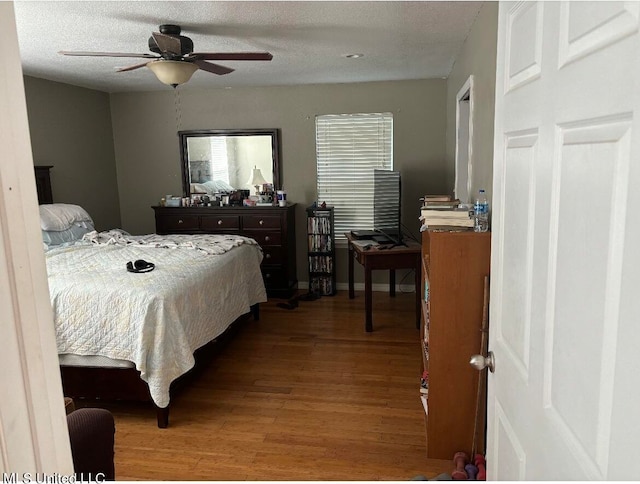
(477, 57)
(70, 128)
(117, 155)
(147, 148)
(128, 156)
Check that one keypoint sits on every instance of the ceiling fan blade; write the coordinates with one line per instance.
(240, 56)
(167, 43)
(214, 68)
(133, 67)
(107, 54)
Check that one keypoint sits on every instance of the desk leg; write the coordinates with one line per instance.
(350, 255)
(392, 283)
(368, 306)
(418, 283)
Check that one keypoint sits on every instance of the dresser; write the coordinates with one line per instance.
(272, 227)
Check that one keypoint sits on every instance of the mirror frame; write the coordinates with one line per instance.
(184, 161)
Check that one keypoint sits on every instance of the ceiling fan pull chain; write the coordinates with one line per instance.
(176, 102)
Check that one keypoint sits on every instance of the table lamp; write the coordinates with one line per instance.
(256, 179)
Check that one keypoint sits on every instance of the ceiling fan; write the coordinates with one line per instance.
(174, 61)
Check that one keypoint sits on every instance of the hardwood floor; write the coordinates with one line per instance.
(302, 394)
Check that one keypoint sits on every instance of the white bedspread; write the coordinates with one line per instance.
(156, 319)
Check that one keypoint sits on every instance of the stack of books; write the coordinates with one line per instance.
(439, 201)
(443, 212)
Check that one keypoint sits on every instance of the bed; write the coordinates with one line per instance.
(128, 334)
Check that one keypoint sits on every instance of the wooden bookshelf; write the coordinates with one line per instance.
(455, 264)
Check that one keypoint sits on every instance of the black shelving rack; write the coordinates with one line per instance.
(321, 251)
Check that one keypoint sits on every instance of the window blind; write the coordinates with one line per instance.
(219, 166)
(348, 148)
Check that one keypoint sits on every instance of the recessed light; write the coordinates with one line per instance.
(353, 56)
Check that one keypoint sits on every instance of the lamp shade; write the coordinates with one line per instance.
(256, 179)
(172, 72)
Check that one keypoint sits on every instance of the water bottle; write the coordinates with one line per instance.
(481, 213)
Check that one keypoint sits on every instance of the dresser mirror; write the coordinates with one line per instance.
(223, 160)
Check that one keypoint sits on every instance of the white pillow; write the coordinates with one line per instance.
(52, 238)
(62, 216)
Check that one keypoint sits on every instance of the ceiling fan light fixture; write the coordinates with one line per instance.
(171, 72)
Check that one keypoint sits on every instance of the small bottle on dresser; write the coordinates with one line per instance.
(481, 213)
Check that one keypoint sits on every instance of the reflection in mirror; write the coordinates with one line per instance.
(223, 161)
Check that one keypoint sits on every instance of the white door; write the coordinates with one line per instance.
(564, 401)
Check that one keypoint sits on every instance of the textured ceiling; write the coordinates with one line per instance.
(308, 40)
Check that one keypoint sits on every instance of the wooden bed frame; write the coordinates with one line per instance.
(111, 384)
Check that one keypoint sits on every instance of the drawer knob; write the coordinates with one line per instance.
(219, 222)
(267, 256)
(267, 238)
(261, 222)
(180, 221)
(267, 276)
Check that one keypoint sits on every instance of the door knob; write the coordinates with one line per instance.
(480, 362)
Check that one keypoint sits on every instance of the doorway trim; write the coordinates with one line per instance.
(34, 437)
(462, 187)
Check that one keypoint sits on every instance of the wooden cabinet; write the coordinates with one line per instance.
(272, 227)
(454, 266)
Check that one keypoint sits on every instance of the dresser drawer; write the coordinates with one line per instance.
(264, 237)
(274, 277)
(272, 255)
(261, 222)
(220, 222)
(179, 223)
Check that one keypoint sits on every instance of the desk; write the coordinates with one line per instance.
(399, 257)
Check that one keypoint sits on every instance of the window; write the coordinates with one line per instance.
(348, 148)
